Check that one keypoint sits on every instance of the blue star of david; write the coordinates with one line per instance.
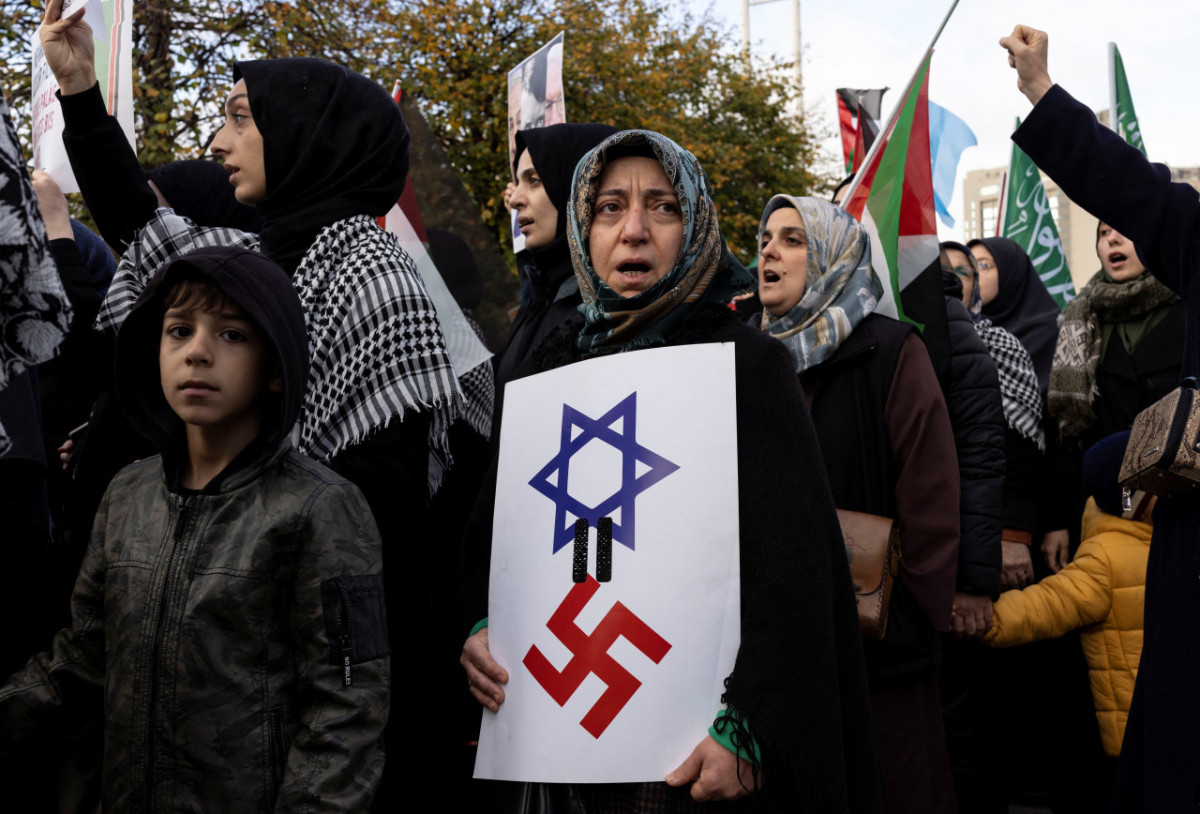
(601, 429)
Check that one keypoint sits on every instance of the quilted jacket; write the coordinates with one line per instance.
(1102, 590)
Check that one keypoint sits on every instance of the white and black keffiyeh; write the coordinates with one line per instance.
(34, 310)
(479, 389)
(1019, 393)
(376, 347)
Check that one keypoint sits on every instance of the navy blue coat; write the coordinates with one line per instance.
(1160, 758)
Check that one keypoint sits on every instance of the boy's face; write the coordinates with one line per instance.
(213, 367)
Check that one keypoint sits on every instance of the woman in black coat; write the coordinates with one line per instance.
(1160, 758)
(653, 270)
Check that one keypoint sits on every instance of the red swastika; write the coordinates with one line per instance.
(589, 654)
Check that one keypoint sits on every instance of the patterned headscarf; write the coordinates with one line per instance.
(704, 272)
(840, 289)
(1073, 391)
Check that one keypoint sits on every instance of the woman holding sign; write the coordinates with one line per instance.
(888, 449)
(653, 270)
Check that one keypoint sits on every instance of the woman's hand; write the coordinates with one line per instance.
(1017, 566)
(717, 772)
(971, 615)
(484, 675)
(69, 48)
(1056, 547)
(508, 193)
(1027, 52)
(53, 205)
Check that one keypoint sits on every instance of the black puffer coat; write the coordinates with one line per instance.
(972, 390)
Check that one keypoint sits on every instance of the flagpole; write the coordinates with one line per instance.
(1003, 205)
(1112, 87)
(885, 132)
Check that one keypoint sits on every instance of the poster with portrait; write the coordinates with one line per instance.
(111, 22)
(535, 99)
(614, 590)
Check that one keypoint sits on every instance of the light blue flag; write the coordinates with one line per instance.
(948, 137)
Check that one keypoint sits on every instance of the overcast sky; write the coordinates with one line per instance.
(873, 43)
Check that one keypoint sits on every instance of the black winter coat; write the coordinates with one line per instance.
(799, 670)
(971, 387)
(1160, 757)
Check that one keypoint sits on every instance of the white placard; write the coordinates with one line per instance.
(112, 30)
(649, 440)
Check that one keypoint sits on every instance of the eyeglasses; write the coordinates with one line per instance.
(966, 272)
(985, 265)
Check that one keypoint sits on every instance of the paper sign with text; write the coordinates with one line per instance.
(112, 29)
(614, 593)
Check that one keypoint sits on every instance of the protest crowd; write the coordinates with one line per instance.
(255, 510)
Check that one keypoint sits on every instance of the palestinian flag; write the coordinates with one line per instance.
(852, 102)
(894, 200)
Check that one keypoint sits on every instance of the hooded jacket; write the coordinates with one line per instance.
(1102, 590)
(236, 633)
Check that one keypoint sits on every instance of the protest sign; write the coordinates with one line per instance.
(535, 99)
(614, 594)
(112, 29)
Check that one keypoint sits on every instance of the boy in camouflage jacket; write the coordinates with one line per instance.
(230, 606)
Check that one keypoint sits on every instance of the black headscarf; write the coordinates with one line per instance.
(334, 146)
(1022, 305)
(554, 151)
(200, 191)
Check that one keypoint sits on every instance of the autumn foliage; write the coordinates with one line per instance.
(629, 63)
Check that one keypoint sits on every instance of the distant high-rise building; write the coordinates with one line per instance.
(1076, 228)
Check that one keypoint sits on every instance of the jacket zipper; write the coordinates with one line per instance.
(159, 632)
(344, 622)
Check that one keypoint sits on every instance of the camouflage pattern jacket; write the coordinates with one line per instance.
(238, 638)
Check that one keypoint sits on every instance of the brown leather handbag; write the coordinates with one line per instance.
(1163, 454)
(873, 550)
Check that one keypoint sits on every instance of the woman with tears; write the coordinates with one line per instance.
(653, 270)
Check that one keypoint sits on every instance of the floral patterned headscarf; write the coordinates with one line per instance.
(704, 272)
(840, 289)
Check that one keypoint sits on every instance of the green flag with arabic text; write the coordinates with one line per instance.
(1027, 220)
(1122, 115)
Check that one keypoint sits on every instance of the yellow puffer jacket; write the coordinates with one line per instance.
(1103, 590)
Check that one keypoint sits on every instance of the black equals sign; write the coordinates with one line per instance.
(603, 550)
